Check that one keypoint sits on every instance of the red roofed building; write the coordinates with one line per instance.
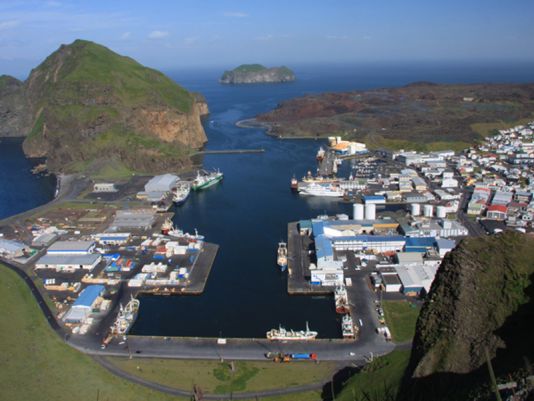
(497, 212)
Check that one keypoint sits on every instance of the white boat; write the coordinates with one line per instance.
(282, 256)
(314, 189)
(126, 317)
(347, 327)
(283, 334)
(180, 193)
(342, 303)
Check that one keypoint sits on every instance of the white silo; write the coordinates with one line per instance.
(428, 210)
(441, 212)
(416, 209)
(370, 211)
(357, 211)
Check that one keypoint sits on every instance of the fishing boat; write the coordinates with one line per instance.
(180, 193)
(282, 334)
(320, 154)
(347, 327)
(126, 317)
(294, 184)
(342, 303)
(206, 179)
(282, 256)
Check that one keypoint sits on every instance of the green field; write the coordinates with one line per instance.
(217, 377)
(378, 381)
(401, 317)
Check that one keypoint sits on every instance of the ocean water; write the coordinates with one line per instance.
(247, 214)
(20, 190)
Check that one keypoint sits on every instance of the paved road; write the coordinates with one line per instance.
(474, 228)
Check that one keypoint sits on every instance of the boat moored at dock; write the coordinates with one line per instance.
(282, 256)
(181, 193)
(283, 335)
(328, 190)
(206, 179)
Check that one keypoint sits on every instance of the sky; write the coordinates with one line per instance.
(207, 33)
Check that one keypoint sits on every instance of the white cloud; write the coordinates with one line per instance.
(5, 25)
(126, 35)
(158, 34)
(235, 14)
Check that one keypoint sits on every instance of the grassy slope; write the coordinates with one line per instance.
(378, 381)
(217, 377)
(36, 365)
(401, 318)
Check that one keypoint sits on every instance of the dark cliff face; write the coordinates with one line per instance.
(13, 119)
(86, 104)
(482, 300)
(256, 73)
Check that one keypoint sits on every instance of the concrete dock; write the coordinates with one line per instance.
(201, 270)
(298, 271)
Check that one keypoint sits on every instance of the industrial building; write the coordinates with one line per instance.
(69, 263)
(112, 238)
(100, 187)
(71, 248)
(161, 183)
(141, 219)
(83, 306)
(11, 249)
(416, 278)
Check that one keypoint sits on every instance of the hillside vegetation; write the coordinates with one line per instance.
(88, 104)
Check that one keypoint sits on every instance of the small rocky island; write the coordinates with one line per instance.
(257, 73)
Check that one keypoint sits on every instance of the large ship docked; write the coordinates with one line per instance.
(206, 179)
(180, 193)
(348, 328)
(314, 189)
(283, 334)
(282, 256)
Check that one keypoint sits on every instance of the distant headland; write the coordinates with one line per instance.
(257, 73)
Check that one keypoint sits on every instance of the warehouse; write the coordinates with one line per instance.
(82, 307)
(112, 238)
(161, 183)
(69, 263)
(141, 219)
(71, 248)
(100, 187)
(11, 249)
(416, 279)
(419, 244)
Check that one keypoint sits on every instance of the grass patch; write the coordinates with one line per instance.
(378, 142)
(378, 381)
(37, 365)
(217, 377)
(401, 317)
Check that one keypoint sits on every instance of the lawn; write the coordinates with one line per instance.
(378, 381)
(36, 365)
(217, 377)
(401, 317)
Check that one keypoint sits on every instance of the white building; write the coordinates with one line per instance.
(161, 183)
(71, 248)
(104, 187)
(69, 263)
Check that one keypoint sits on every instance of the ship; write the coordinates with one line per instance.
(347, 327)
(320, 154)
(313, 189)
(340, 296)
(181, 193)
(125, 318)
(282, 256)
(180, 234)
(282, 334)
(206, 179)
(166, 227)
(294, 184)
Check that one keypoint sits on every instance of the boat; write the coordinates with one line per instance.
(282, 256)
(283, 334)
(126, 317)
(313, 189)
(294, 184)
(180, 234)
(166, 227)
(206, 179)
(347, 327)
(181, 193)
(342, 303)
(320, 154)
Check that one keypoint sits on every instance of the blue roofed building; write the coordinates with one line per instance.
(82, 307)
(419, 244)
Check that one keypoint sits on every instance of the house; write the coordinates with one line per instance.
(497, 212)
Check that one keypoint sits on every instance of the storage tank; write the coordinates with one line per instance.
(357, 211)
(441, 212)
(416, 209)
(370, 211)
(428, 210)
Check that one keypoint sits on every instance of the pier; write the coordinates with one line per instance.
(229, 151)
